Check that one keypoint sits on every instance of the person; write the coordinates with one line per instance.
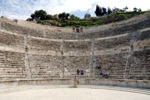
(101, 73)
(76, 82)
(78, 71)
(82, 73)
(106, 74)
(94, 60)
(98, 67)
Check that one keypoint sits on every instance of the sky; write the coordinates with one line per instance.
(22, 9)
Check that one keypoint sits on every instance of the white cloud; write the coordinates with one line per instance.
(22, 9)
(123, 3)
(72, 5)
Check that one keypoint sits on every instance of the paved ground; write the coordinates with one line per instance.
(66, 92)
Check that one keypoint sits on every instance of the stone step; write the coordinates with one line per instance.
(137, 71)
(11, 69)
(41, 76)
(2, 57)
(16, 66)
(14, 63)
(17, 63)
(145, 73)
(13, 75)
(2, 63)
(2, 60)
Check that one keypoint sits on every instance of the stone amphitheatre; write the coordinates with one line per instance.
(33, 54)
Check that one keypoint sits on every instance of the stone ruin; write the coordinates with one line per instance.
(34, 53)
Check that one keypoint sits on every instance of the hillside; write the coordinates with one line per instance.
(93, 21)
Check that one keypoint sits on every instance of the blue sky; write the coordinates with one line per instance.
(22, 9)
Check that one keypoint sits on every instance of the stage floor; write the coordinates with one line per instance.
(67, 92)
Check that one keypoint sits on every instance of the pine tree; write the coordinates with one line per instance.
(98, 11)
(109, 11)
(104, 11)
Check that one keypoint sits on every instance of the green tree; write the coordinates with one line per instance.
(87, 15)
(49, 17)
(74, 18)
(135, 9)
(139, 9)
(39, 15)
(104, 11)
(118, 9)
(109, 11)
(98, 11)
(125, 8)
(63, 15)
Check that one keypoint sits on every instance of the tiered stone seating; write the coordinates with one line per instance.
(2, 63)
(74, 63)
(45, 66)
(100, 31)
(12, 65)
(43, 44)
(77, 45)
(145, 34)
(11, 40)
(76, 51)
(112, 43)
(114, 64)
(21, 30)
(140, 70)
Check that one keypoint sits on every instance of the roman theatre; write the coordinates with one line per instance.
(38, 55)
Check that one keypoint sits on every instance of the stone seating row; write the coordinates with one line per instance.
(12, 65)
(71, 35)
(11, 40)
